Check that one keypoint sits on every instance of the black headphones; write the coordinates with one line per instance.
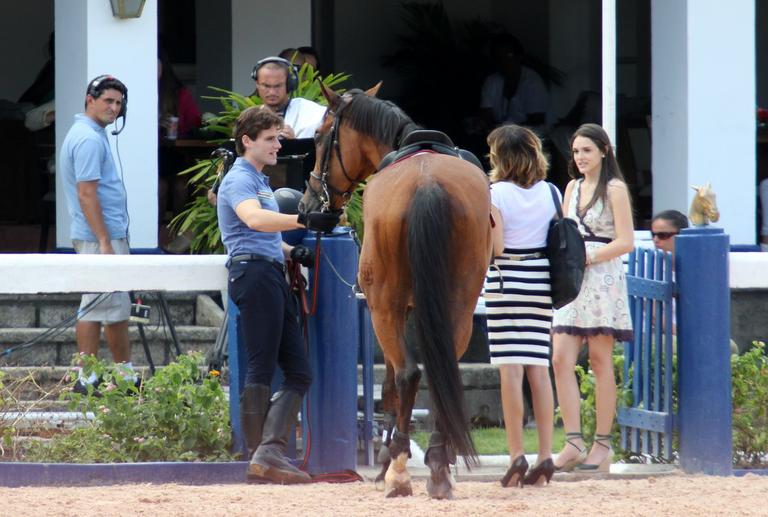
(292, 81)
(106, 82)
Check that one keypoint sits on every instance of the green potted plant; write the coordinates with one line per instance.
(199, 217)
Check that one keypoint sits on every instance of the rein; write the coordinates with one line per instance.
(326, 189)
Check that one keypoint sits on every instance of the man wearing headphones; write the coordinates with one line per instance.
(276, 80)
(97, 204)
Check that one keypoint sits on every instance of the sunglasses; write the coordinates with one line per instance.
(663, 235)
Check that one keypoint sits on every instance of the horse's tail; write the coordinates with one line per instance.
(429, 241)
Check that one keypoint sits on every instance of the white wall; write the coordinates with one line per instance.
(91, 42)
(262, 28)
(25, 27)
(704, 108)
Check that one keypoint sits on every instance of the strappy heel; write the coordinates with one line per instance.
(579, 458)
(540, 474)
(515, 473)
(604, 441)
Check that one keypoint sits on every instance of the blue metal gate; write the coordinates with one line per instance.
(646, 425)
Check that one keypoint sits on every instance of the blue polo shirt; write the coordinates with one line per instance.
(86, 156)
(244, 182)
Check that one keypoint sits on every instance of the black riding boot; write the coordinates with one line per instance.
(254, 403)
(269, 462)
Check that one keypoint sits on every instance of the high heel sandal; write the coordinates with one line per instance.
(541, 472)
(604, 441)
(579, 458)
(515, 473)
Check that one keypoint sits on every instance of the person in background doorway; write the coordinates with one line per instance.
(178, 115)
(514, 94)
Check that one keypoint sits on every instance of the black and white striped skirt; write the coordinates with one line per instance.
(520, 317)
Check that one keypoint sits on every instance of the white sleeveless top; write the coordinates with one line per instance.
(526, 213)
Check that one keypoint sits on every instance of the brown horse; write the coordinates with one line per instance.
(426, 250)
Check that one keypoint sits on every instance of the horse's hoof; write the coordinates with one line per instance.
(404, 490)
(440, 484)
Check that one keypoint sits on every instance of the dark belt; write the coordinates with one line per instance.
(595, 238)
(250, 257)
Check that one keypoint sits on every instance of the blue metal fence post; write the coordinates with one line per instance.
(366, 358)
(703, 351)
(237, 365)
(329, 426)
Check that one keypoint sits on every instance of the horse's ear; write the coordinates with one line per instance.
(374, 90)
(694, 187)
(333, 98)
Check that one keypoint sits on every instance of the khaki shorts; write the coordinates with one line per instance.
(110, 307)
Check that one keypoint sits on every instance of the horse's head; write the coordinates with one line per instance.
(342, 154)
(704, 206)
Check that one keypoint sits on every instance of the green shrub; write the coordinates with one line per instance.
(179, 414)
(750, 407)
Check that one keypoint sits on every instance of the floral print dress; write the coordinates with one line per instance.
(602, 306)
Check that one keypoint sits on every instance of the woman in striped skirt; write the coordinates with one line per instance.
(518, 300)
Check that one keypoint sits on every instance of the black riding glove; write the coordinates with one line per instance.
(303, 255)
(320, 221)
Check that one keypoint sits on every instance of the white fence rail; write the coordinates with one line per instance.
(68, 273)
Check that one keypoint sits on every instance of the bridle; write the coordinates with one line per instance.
(326, 188)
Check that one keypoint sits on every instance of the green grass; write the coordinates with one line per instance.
(494, 440)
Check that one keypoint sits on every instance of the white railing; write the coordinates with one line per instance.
(69, 273)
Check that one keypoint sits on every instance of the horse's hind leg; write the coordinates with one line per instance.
(397, 480)
(439, 458)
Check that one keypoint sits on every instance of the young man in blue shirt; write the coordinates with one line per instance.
(96, 201)
(250, 224)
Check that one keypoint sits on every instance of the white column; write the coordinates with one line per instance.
(609, 69)
(91, 42)
(703, 83)
(262, 28)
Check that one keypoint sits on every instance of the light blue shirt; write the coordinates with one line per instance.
(86, 156)
(241, 183)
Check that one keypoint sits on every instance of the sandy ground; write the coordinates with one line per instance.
(670, 495)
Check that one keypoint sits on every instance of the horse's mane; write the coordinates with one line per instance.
(381, 120)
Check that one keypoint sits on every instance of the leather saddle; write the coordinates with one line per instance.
(428, 140)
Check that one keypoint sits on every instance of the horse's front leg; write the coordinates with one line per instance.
(389, 405)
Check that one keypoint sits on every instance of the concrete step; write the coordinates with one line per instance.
(48, 310)
(59, 350)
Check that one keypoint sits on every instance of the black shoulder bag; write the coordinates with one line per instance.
(566, 254)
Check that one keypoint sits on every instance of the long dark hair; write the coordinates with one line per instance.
(609, 168)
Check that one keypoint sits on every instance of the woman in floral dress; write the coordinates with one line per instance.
(598, 200)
